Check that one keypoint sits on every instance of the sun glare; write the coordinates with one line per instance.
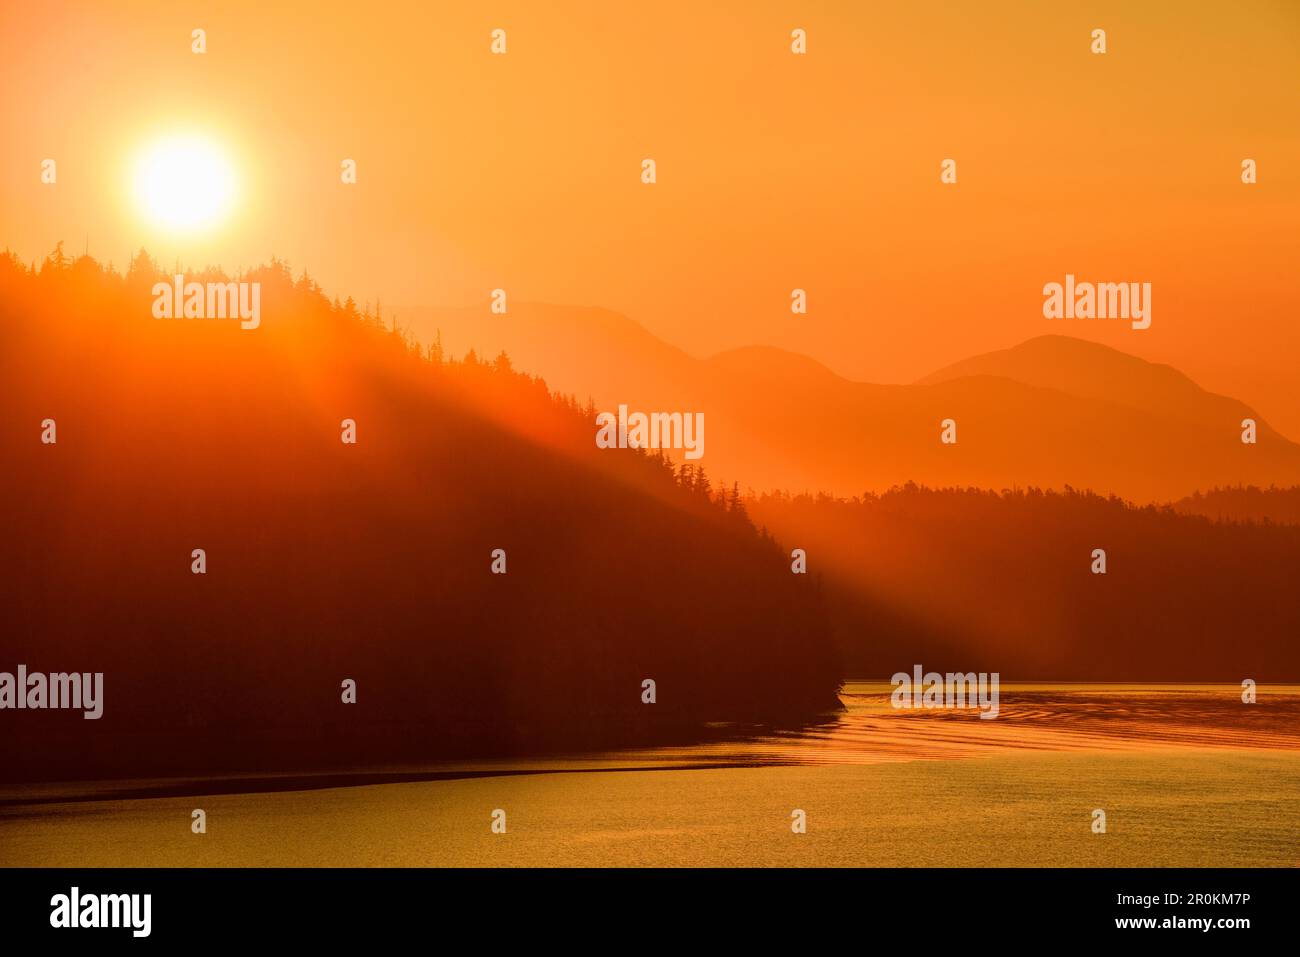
(184, 184)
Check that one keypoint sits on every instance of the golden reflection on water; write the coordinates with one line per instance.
(1188, 776)
(1031, 717)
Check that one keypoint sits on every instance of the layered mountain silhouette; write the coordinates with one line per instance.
(1051, 412)
(373, 562)
(959, 575)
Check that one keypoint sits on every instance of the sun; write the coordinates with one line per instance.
(184, 184)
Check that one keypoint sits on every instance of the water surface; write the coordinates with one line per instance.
(1187, 775)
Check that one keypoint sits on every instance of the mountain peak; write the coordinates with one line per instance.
(1092, 370)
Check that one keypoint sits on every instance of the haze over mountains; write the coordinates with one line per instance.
(1050, 412)
(371, 562)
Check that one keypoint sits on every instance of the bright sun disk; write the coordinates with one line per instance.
(184, 184)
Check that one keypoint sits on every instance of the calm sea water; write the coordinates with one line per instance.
(1187, 775)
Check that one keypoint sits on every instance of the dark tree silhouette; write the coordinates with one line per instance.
(370, 561)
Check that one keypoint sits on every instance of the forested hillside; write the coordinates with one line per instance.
(371, 561)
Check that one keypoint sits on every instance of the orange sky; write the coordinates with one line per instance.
(775, 171)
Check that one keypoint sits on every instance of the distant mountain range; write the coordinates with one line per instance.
(1050, 412)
